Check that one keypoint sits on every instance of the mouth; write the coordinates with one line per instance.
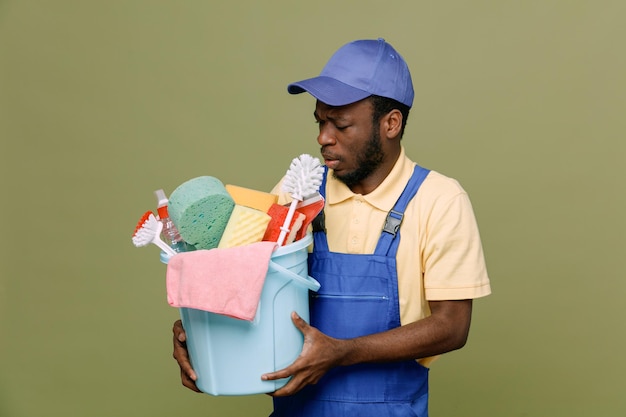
(331, 161)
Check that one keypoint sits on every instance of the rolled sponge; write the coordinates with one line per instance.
(246, 226)
(200, 208)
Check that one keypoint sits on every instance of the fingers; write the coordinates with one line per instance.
(299, 322)
(297, 382)
(188, 382)
(187, 374)
(290, 370)
(283, 373)
(179, 332)
(288, 389)
(302, 371)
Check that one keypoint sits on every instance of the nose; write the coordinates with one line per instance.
(326, 135)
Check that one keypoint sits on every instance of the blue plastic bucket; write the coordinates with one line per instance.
(230, 355)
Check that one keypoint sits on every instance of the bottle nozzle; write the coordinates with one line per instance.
(161, 198)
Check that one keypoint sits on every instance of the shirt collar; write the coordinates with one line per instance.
(384, 196)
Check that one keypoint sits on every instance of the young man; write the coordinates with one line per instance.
(399, 258)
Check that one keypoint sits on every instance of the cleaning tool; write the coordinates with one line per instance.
(245, 226)
(169, 234)
(227, 353)
(200, 208)
(310, 207)
(148, 230)
(302, 180)
(222, 281)
(278, 213)
(251, 198)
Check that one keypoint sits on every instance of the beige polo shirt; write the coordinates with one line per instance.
(440, 256)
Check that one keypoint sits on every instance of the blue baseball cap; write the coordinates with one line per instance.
(358, 70)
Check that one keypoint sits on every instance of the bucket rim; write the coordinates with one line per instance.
(295, 246)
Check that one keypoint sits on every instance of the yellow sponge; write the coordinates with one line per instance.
(246, 225)
(251, 198)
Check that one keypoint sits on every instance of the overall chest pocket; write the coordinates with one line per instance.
(358, 294)
(346, 316)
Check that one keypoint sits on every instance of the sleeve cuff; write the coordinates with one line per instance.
(442, 294)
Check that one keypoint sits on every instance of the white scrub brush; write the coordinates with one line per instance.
(302, 180)
(148, 230)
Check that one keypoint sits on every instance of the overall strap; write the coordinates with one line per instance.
(391, 229)
(390, 236)
(319, 222)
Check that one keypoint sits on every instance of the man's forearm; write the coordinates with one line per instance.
(446, 329)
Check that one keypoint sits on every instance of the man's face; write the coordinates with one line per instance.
(351, 145)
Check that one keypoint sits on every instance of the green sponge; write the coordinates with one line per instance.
(200, 208)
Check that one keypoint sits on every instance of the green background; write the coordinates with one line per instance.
(104, 102)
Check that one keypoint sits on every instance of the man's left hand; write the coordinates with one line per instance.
(319, 353)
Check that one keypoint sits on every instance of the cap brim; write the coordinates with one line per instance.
(328, 90)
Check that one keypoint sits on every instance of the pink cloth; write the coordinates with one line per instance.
(223, 281)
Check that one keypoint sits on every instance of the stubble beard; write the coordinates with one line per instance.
(370, 158)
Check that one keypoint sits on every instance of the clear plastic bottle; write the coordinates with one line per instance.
(170, 234)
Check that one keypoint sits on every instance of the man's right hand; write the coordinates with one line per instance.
(187, 375)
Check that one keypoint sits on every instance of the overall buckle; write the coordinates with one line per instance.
(392, 222)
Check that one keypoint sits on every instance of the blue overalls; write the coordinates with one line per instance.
(359, 296)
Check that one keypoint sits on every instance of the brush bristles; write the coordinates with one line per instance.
(141, 221)
(147, 232)
(303, 177)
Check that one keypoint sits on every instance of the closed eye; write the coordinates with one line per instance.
(338, 127)
(332, 120)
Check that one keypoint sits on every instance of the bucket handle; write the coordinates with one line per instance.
(309, 282)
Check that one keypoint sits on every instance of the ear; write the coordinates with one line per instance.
(392, 124)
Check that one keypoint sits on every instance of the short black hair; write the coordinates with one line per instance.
(383, 105)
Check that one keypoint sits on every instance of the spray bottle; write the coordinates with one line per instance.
(170, 233)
